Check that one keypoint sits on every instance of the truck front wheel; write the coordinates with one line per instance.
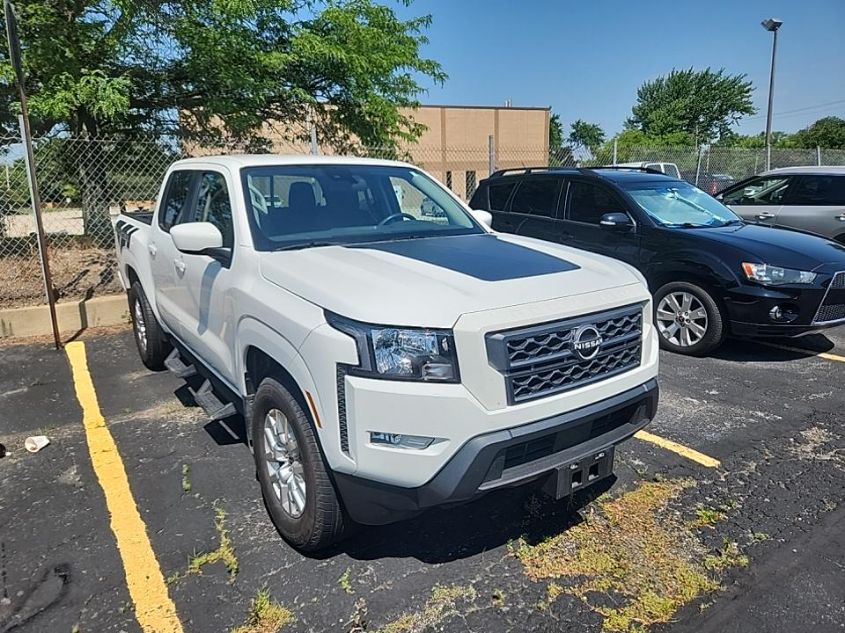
(152, 343)
(295, 483)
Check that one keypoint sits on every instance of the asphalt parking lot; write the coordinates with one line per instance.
(738, 526)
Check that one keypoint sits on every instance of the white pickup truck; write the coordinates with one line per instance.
(385, 360)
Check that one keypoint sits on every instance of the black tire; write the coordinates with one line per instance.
(321, 522)
(714, 328)
(152, 343)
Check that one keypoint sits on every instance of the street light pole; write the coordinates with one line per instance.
(772, 25)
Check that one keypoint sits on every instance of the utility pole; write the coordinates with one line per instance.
(26, 137)
(772, 25)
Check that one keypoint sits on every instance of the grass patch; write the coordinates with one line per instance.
(186, 478)
(635, 549)
(345, 582)
(706, 517)
(265, 615)
(224, 553)
(441, 604)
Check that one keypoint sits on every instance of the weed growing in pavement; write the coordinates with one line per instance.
(265, 615)
(441, 604)
(636, 549)
(345, 582)
(224, 553)
(186, 478)
(706, 517)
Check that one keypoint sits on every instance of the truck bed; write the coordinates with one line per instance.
(145, 217)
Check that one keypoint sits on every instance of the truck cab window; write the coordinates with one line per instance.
(175, 199)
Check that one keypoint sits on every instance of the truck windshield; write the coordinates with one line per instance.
(297, 206)
(678, 204)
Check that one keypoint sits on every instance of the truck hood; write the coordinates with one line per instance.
(433, 281)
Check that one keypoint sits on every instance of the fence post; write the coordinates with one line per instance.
(491, 155)
(698, 165)
(818, 155)
(615, 150)
(314, 148)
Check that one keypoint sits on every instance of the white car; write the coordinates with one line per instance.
(385, 361)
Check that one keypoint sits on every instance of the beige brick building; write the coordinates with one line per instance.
(454, 147)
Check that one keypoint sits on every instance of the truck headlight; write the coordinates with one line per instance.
(400, 353)
(775, 275)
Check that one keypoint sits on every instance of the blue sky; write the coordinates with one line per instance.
(586, 59)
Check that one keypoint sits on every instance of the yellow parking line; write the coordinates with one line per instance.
(825, 355)
(154, 609)
(680, 449)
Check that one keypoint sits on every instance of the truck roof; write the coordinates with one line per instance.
(237, 161)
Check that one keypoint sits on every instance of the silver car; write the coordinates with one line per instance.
(806, 198)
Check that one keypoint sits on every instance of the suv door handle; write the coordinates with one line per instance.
(765, 215)
(151, 248)
(179, 265)
(841, 217)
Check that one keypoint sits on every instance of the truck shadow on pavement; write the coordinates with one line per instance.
(442, 535)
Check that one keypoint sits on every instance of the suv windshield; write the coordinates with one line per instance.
(678, 204)
(296, 206)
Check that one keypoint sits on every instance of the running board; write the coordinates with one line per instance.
(177, 367)
(210, 403)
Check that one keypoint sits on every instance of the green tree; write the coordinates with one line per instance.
(215, 70)
(701, 103)
(555, 132)
(583, 134)
(828, 133)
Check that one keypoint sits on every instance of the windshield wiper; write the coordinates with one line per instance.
(301, 245)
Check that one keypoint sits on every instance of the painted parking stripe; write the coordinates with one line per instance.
(154, 609)
(680, 449)
(825, 355)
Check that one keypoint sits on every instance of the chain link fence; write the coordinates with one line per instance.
(85, 183)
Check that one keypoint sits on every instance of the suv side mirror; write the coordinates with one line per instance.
(485, 217)
(196, 238)
(617, 221)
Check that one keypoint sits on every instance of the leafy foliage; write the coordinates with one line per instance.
(583, 134)
(555, 132)
(828, 132)
(219, 68)
(702, 104)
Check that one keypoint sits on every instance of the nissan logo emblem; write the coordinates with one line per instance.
(586, 341)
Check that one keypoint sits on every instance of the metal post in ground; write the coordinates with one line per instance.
(26, 137)
(698, 165)
(615, 150)
(818, 155)
(491, 154)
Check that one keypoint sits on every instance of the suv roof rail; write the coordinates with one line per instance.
(648, 170)
(525, 170)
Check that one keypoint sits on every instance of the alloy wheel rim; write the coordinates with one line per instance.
(283, 461)
(681, 319)
(140, 326)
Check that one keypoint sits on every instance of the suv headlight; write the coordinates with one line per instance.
(400, 353)
(775, 275)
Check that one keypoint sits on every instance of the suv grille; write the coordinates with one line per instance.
(832, 307)
(546, 359)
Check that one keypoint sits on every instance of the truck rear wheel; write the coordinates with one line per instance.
(295, 483)
(152, 343)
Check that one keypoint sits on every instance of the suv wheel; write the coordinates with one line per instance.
(152, 343)
(295, 483)
(688, 319)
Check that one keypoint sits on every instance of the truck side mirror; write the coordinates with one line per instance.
(195, 238)
(485, 217)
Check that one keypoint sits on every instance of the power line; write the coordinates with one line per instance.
(797, 110)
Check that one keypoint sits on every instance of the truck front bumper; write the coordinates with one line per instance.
(507, 457)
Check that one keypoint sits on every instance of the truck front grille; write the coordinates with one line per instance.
(546, 359)
(832, 307)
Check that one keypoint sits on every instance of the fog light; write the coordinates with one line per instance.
(783, 313)
(400, 440)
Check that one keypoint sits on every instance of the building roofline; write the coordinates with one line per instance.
(478, 107)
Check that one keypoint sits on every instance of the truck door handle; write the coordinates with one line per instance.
(765, 215)
(841, 217)
(179, 265)
(151, 248)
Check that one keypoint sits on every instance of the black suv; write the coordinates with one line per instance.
(710, 272)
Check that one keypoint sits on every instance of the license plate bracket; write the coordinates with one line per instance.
(578, 475)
